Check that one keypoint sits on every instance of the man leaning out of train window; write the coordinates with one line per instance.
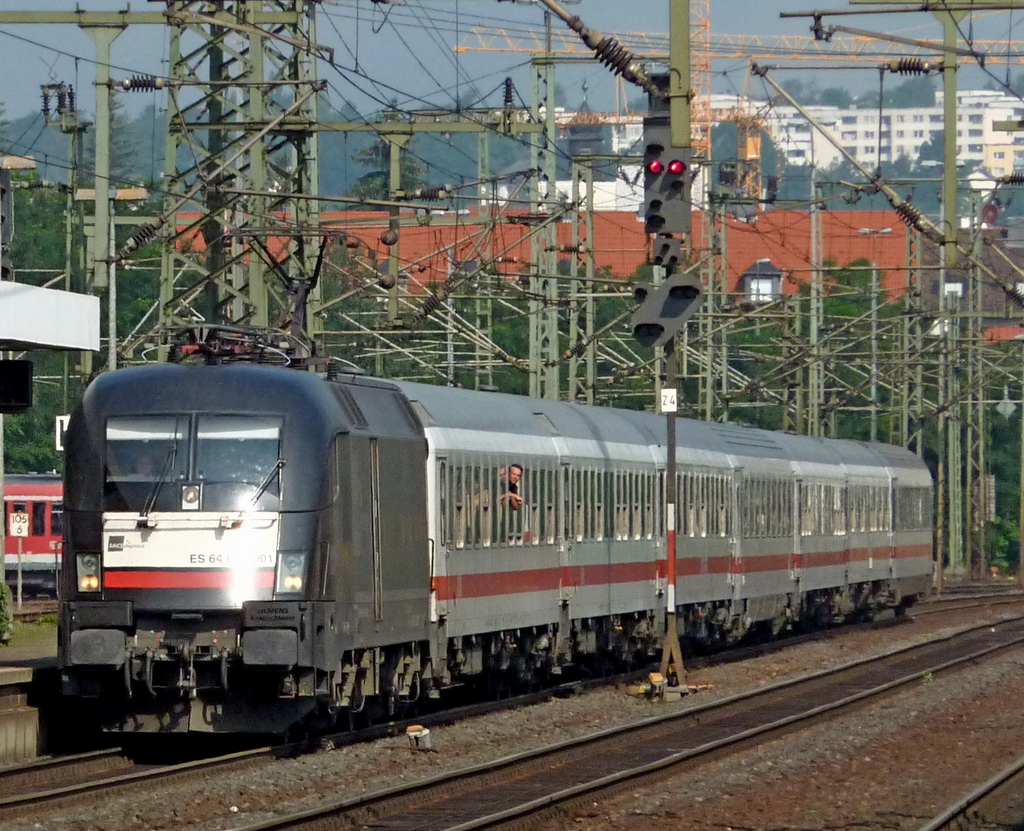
(510, 479)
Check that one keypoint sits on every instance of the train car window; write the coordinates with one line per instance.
(495, 533)
(589, 505)
(835, 520)
(534, 500)
(612, 484)
(822, 510)
(471, 503)
(237, 459)
(57, 519)
(647, 506)
(442, 503)
(661, 504)
(605, 514)
(717, 505)
(568, 503)
(621, 524)
(505, 520)
(518, 520)
(579, 516)
(140, 452)
(626, 497)
(726, 507)
(459, 506)
(806, 509)
(697, 492)
(631, 524)
(688, 500)
(38, 519)
(546, 506)
(792, 518)
(551, 507)
(637, 504)
(475, 487)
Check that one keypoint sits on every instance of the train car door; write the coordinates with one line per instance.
(734, 533)
(796, 562)
(439, 519)
(566, 501)
(890, 527)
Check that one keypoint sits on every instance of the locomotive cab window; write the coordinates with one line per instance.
(238, 460)
(141, 452)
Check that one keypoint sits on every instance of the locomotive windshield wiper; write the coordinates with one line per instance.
(271, 474)
(165, 472)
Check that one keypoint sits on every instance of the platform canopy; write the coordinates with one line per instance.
(37, 318)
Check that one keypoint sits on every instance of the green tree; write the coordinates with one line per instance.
(1017, 84)
(914, 92)
(374, 185)
(127, 164)
(933, 149)
(805, 92)
(836, 97)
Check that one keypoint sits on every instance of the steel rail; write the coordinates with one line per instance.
(999, 795)
(541, 790)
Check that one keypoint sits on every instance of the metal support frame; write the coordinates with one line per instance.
(583, 348)
(544, 336)
(242, 110)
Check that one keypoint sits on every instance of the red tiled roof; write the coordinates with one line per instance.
(619, 242)
(995, 334)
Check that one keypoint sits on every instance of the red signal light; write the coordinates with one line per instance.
(655, 166)
(676, 166)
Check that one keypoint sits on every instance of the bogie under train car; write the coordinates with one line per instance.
(250, 549)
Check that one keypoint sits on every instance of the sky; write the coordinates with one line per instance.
(404, 52)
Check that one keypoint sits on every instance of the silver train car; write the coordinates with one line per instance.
(253, 549)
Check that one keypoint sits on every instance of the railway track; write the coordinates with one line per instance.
(999, 803)
(88, 775)
(598, 764)
(950, 603)
(556, 777)
(100, 772)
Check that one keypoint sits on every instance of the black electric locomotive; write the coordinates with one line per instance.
(250, 548)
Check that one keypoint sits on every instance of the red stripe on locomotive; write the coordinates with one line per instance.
(162, 579)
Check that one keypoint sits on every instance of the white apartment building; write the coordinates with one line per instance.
(870, 137)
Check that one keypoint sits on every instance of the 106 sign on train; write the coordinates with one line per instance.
(33, 531)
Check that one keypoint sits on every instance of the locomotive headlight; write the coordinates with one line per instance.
(88, 569)
(190, 497)
(291, 572)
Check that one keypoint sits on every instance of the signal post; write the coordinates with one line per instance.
(664, 307)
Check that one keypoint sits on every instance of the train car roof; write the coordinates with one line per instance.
(698, 442)
(32, 479)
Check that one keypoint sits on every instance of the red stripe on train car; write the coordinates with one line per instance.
(498, 583)
(135, 579)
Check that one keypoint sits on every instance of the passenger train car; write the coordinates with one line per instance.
(254, 548)
(38, 499)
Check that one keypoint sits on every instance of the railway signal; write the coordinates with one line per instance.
(667, 204)
(665, 308)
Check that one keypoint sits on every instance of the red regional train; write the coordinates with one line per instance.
(39, 499)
